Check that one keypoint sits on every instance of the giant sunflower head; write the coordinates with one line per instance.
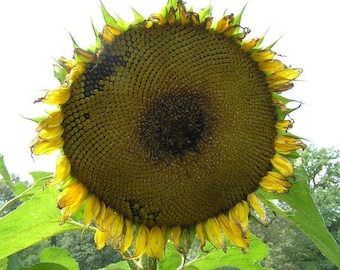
(168, 126)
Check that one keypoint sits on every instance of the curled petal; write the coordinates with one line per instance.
(283, 165)
(225, 23)
(70, 199)
(57, 97)
(284, 125)
(141, 242)
(54, 119)
(247, 46)
(275, 182)
(51, 132)
(63, 170)
(127, 238)
(214, 233)
(40, 146)
(91, 210)
(176, 236)
(257, 205)
(285, 145)
(155, 243)
(200, 234)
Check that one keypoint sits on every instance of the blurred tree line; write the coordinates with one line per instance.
(289, 248)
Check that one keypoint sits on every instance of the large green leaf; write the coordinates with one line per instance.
(217, 259)
(33, 221)
(172, 258)
(60, 256)
(303, 211)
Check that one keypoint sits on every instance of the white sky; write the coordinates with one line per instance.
(33, 33)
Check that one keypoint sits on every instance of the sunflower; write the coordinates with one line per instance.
(167, 128)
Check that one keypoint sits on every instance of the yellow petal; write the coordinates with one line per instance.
(100, 239)
(57, 97)
(233, 232)
(63, 170)
(240, 213)
(284, 125)
(48, 133)
(262, 55)
(224, 23)
(84, 56)
(275, 182)
(200, 234)
(208, 22)
(127, 238)
(285, 145)
(40, 147)
(116, 230)
(247, 46)
(109, 33)
(71, 199)
(99, 221)
(159, 18)
(91, 210)
(77, 70)
(176, 236)
(287, 74)
(283, 165)
(155, 243)
(172, 16)
(271, 66)
(214, 233)
(54, 119)
(194, 18)
(257, 205)
(182, 13)
(66, 64)
(141, 242)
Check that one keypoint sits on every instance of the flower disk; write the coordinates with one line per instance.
(172, 126)
(167, 127)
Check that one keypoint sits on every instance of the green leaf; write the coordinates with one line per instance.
(18, 188)
(32, 222)
(4, 263)
(59, 73)
(60, 256)
(4, 173)
(45, 266)
(14, 262)
(172, 259)
(305, 214)
(41, 176)
(232, 258)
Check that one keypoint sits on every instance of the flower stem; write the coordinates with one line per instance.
(149, 263)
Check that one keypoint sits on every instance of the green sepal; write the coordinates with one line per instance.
(75, 45)
(59, 73)
(122, 24)
(35, 119)
(238, 19)
(138, 17)
(98, 41)
(205, 13)
(108, 18)
(270, 46)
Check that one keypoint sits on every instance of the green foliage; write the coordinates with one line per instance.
(234, 257)
(33, 221)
